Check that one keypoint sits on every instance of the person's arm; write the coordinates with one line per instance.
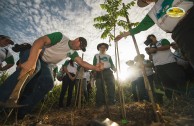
(86, 65)
(112, 65)
(165, 45)
(66, 70)
(9, 63)
(30, 64)
(145, 24)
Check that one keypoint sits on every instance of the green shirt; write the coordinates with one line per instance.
(59, 49)
(104, 58)
(144, 25)
(6, 56)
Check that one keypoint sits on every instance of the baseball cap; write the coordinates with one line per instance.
(83, 43)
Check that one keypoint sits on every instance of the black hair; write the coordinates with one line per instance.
(149, 40)
(21, 47)
(151, 35)
(71, 62)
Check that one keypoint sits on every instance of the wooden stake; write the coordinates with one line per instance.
(104, 91)
(146, 81)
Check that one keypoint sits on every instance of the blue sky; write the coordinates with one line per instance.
(26, 20)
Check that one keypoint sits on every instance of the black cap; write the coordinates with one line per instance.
(7, 37)
(99, 45)
(83, 43)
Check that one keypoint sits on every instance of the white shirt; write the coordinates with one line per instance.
(162, 57)
(3, 55)
(72, 69)
(159, 16)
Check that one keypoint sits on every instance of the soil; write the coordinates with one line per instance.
(177, 112)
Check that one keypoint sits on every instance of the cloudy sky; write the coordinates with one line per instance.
(26, 20)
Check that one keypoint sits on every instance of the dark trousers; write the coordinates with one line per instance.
(172, 77)
(66, 84)
(107, 82)
(139, 90)
(36, 88)
(183, 35)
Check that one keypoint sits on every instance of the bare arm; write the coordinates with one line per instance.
(30, 64)
(87, 65)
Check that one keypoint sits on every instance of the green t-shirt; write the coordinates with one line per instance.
(9, 60)
(59, 49)
(144, 25)
(165, 42)
(104, 58)
(6, 56)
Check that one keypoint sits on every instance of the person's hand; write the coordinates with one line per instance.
(71, 78)
(99, 67)
(26, 67)
(124, 34)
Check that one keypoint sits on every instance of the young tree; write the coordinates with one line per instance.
(110, 20)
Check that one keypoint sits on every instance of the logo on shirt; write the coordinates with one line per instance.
(166, 4)
(103, 58)
(175, 12)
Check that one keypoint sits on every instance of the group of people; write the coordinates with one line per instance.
(164, 61)
(74, 74)
(46, 50)
(53, 48)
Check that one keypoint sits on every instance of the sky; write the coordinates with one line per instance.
(26, 20)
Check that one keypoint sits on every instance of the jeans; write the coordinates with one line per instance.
(40, 84)
(138, 89)
(110, 84)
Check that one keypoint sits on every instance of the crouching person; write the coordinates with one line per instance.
(51, 48)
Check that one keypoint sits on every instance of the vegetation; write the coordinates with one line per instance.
(113, 18)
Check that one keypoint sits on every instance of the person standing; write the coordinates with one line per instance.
(70, 68)
(181, 27)
(105, 76)
(165, 65)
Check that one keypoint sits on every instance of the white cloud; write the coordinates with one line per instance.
(26, 21)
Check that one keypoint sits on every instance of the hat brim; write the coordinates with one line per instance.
(99, 45)
(140, 3)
